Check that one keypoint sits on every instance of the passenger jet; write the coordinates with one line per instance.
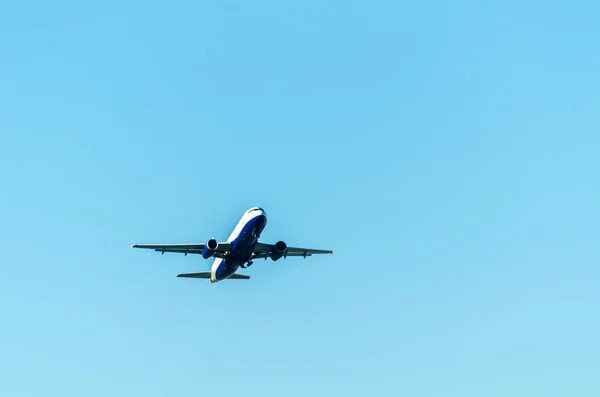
(241, 247)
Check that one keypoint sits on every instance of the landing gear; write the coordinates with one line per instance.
(249, 264)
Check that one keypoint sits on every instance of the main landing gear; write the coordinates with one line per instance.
(249, 264)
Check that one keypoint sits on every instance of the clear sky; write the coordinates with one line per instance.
(448, 152)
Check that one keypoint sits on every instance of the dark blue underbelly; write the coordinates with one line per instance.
(242, 247)
(226, 269)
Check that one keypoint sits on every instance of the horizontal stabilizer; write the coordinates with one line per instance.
(238, 276)
(195, 275)
(207, 275)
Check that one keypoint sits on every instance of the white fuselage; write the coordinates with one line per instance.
(244, 228)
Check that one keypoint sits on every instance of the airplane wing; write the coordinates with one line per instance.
(263, 250)
(195, 248)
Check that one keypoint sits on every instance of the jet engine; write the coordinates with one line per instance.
(280, 248)
(209, 248)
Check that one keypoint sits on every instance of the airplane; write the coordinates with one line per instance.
(241, 247)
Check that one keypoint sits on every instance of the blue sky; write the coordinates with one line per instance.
(448, 152)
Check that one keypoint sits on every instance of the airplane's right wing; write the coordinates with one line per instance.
(295, 251)
(263, 250)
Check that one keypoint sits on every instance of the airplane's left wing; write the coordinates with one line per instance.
(195, 248)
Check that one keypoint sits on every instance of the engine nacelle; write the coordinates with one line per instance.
(280, 248)
(209, 248)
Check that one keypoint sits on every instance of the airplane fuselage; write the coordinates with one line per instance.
(243, 240)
